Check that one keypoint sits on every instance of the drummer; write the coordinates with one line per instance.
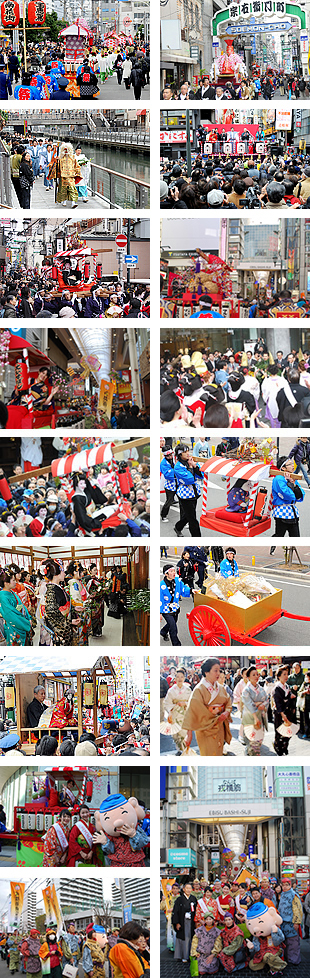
(229, 566)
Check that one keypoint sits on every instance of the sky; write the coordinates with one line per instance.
(197, 232)
(37, 885)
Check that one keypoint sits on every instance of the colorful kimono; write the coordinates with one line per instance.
(202, 945)
(96, 592)
(68, 170)
(122, 851)
(175, 705)
(55, 844)
(80, 609)
(54, 618)
(232, 948)
(17, 620)
(80, 838)
(206, 704)
(254, 704)
(204, 904)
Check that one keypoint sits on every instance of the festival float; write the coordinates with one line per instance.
(75, 270)
(46, 795)
(77, 39)
(27, 362)
(228, 66)
(207, 273)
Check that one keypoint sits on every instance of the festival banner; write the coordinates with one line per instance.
(52, 908)
(167, 885)
(106, 397)
(17, 902)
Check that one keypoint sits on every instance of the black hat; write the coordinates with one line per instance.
(63, 82)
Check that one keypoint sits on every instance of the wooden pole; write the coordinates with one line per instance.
(24, 34)
(79, 703)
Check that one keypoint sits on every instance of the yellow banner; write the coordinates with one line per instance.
(106, 396)
(9, 697)
(17, 901)
(52, 908)
(166, 886)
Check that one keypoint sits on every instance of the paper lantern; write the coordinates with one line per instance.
(10, 13)
(243, 857)
(36, 12)
(86, 270)
(54, 273)
(99, 271)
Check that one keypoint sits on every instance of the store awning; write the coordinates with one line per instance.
(61, 665)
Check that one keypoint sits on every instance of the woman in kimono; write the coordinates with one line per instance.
(80, 848)
(16, 617)
(95, 588)
(175, 704)
(80, 604)
(57, 606)
(203, 944)
(56, 841)
(284, 700)
(84, 164)
(206, 906)
(254, 706)
(208, 712)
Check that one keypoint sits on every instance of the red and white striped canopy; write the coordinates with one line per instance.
(81, 460)
(230, 467)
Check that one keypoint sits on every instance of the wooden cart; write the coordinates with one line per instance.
(215, 622)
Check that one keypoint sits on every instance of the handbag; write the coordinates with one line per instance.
(193, 967)
(46, 967)
(70, 971)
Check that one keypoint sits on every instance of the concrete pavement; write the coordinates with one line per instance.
(297, 747)
(109, 90)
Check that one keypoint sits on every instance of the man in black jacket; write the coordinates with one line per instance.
(36, 707)
(183, 922)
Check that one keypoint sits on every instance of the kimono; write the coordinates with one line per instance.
(251, 697)
(283, 702)
(55, 844)
(175, 705)
(230, 947)
(207, 702)
(206, 903)
(80, 838)
(183, 913)
(80, 609)
(225, 903)
(13, 947)
(56, 598)
(202, 945)
(82, 186)
(17, 620)
(30, 951)
(96, 592)
(68, 170)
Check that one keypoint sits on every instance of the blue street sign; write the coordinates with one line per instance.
(284, 25)
(131, 259)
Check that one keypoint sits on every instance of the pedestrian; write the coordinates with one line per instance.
(208, 712)
(171, 590)
(175, 705)
(183, 921)
(26, 180)
(284, 701)
(286, 491)
(188, 476)
(167, 471)
(290, 909)
(254, 705)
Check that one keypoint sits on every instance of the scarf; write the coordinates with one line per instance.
(62, 838)
(83, 828)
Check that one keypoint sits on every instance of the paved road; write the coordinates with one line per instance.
(285, 632)
(111, 89)
(42, 198)
(176, 969)
(298, 746)
(217, 497)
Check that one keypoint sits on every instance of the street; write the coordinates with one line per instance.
(217, 496)
(176, 969)
(110, 90)
(295, 597)
(297, 747)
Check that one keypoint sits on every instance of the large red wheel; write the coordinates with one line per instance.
(207, 627)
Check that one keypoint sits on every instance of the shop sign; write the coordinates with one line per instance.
(289, 782)
(182, 857)
(229, 786)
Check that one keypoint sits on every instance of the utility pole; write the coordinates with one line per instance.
(188, 145)
(128, 248)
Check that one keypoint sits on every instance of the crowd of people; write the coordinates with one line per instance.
(225, 926)
(120, 951)
(273, 180)
(236, 389)
(271, 84)
(45, 76)
(206, 700)
(41, 506)
(65, 171)
(58, 606)
(31, 294)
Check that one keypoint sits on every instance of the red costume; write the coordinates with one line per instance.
(79, 839)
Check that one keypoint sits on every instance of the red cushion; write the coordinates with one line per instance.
(223, 514)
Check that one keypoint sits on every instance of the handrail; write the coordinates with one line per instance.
(115, 173)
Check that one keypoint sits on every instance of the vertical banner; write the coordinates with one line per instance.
(17, 901)
(106, 396)
(52, 908)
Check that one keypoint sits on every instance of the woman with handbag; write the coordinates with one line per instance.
(203, 961)
(26, 180)
(284, 702)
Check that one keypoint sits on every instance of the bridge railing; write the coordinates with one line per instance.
(118, 190)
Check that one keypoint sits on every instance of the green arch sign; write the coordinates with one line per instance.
(291, 9)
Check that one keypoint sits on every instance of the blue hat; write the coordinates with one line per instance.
(113, 801)
(98, 929)
(257, 910)
(28, 492)
(10, 740)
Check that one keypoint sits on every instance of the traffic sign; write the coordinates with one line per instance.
(121, 240)
(131, 259)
